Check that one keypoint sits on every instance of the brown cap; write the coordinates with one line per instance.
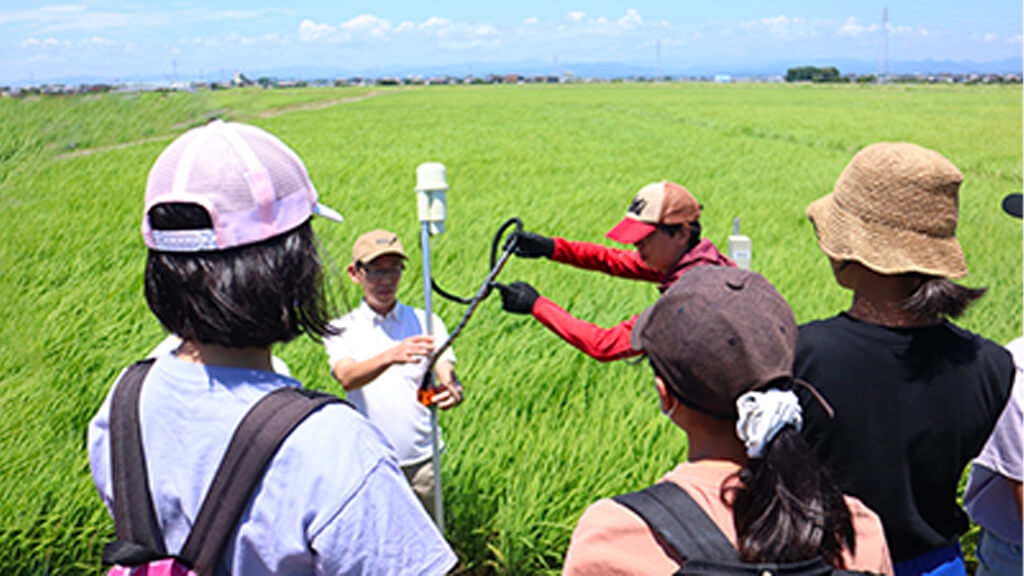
(374, 244)
(658, 203)
(716, 333)
(894, 209)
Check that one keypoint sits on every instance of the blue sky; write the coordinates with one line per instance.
(118, 39)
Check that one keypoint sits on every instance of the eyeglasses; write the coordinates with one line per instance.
(378, 273)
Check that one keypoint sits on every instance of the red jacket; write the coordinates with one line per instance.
(607, 344)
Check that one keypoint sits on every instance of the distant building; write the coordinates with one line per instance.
(240, 79)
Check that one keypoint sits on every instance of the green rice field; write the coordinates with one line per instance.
(544, 431)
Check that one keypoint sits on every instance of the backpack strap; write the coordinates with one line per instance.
(681, 522)
(253, 444)
(134, 517)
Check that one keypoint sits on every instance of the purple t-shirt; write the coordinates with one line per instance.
(988, 497)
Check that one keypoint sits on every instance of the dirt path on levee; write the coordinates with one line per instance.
(269, 113)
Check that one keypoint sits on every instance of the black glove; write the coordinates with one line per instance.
(530, 245)
(517, 297)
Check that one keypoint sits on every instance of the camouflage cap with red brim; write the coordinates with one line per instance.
(659, 203)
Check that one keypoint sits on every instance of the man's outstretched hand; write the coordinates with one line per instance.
(530, 245)
(517, 297)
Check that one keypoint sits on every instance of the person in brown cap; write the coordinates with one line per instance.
(721, 343)
(379, 357)
(915, 397)
(662, 222)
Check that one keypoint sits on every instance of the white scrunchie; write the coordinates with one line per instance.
(763, 415)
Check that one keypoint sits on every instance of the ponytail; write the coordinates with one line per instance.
(786, 507)
(940, 298)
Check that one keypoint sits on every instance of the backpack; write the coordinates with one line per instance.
(139, 547)
(674, 515)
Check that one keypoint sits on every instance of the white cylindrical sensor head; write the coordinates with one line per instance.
(430, 176)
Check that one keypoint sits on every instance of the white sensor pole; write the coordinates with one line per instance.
(740, 247)
(431, 202)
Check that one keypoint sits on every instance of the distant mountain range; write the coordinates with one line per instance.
(579, 69)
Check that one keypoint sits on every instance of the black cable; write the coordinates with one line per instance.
(509, 244)
(448, 295)
(485, 289)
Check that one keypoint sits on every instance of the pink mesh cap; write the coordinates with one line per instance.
(253, 186)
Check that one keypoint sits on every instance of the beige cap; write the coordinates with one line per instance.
(374, 244)
(658, 203)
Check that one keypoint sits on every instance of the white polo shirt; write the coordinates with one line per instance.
(390, 400)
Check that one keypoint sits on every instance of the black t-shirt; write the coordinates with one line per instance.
(912, 407)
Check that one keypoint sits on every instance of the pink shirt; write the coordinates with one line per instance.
(610, 539)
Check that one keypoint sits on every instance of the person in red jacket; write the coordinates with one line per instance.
(661, 222)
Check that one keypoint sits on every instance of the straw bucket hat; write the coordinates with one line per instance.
(894, 210)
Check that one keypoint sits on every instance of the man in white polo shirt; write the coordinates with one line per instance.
(380, 356)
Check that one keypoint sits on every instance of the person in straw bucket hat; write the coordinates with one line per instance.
(915, 396)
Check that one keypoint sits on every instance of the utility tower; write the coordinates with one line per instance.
(883, 59)
(657, 59)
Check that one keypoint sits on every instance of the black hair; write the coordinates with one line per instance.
(786, 507)
(673, 229)
(939, 297)
(250, 296)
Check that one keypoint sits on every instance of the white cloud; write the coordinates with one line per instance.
(577, 26)
(854, 28)
(215, 15)
(570, 36)
(40, 15)
(44, 43)
(99, 41)
(86, 18)
(632, 18)
(369, 28)
(985, 38)
(51, 43)
(785, 28)
(367, 25)
(310, 31)
(435, 23)
(483, 30)
(904, 31)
